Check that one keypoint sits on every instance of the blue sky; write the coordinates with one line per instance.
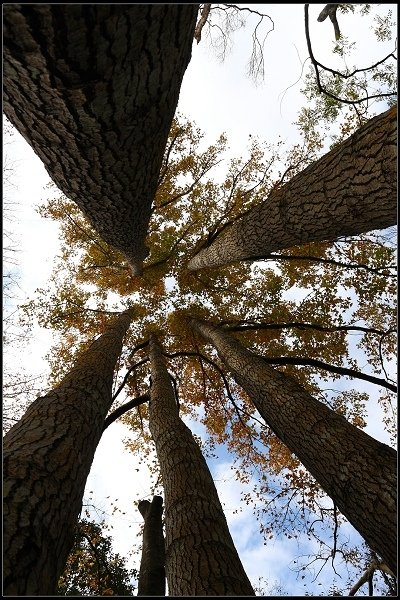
(218, 97)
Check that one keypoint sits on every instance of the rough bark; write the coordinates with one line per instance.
(201, 559)
(350, 190)
(47, 458)
(152, 564)
(93, 89)
(354, 469)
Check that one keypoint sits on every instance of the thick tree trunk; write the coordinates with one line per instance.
(350, 190)
(93, 89)
(354, 469)
(201, 559)
(152, 564)
(47, 458)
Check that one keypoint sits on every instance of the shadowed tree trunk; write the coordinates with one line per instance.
(350, 190)
(201, 559)
(47, 458)
(152, 564)
(93, 89)
(354, 469)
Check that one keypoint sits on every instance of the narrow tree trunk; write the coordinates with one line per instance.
(201, 559)
(354, 469)
(47, 458)
(152, 564)
(93, 89)
(350, 190)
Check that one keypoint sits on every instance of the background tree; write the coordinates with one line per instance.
(92, 568)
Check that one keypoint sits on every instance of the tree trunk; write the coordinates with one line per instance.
(201, 559)
(152, 564)
(47, 458)
(354, 469)
(93, 89)
(350, 190)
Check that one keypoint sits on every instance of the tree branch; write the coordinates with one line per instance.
(248, 325)
(121, 410)
(329, 261)
(317, 64)
(202, 21)
(312, 362)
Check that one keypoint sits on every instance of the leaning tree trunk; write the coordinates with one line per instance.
(201, 559)
(350, 190)
(152, 563)
(47, 458)
(93, 89)
(354, 469)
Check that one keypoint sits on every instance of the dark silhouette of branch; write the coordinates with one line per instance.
(312, 362)
(380, 351)
(249, 325)
(136, 348)
(329, 261)
(121, 410)
(316, 64)
(126, 377)
(164, 169)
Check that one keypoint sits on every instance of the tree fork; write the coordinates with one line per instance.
(47, 458)
(201, 558)
(355, 470)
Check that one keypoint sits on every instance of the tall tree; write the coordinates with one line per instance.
(355, 470)
(201, 559)
(90, 283)
(348, 191)
(93, 89)
(321, 322)
(152, 564)
(47, 458)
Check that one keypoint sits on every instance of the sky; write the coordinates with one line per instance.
(219, 98)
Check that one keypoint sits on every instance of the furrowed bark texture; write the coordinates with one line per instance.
(201, 559)
(354, 469)
(350, 190)
(47, 458)
(93, 89)
(152, 563)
